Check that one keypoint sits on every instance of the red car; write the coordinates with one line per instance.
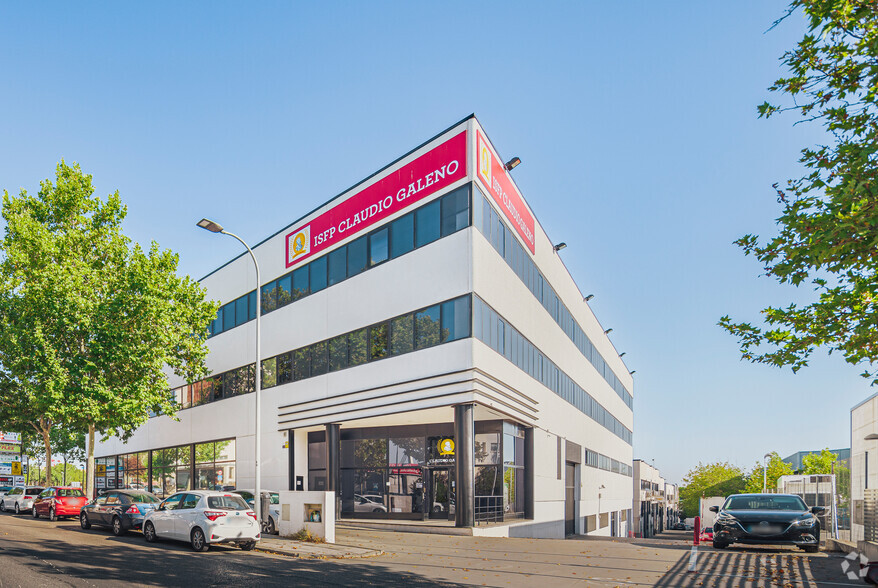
(706, 535)
(59, 501)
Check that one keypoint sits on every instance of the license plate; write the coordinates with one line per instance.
(766, 529)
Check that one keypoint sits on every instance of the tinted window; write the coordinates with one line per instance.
(402, 334)
(378, 341)
(318, 358)
(284, 368)
(338, 353)
(378, 246)
(228, 312)
(402, 235)
(70, 492)
(455, 319)
(241, 310)
(144, 498)
(268, 297)
(427, 327)
(301, 364)
(455, 210)
(227, 502)
(251, 305)
(318, 274)
(357, 256)
(300, 283)
(357, 342)
(338, 266)
(173, 501)
(427, 224)
(191, 501)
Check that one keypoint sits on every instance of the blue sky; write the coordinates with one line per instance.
(636, 124)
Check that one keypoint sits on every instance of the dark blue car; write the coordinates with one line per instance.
(121, 510)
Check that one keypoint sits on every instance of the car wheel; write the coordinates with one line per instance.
(118, 529)
(719, 544)
(198, 540)
(53, 516)
(33, 511)
(149, 533)
(270, 527)
(83, 521)
(249, 546)
(2, 506)
(17, 509)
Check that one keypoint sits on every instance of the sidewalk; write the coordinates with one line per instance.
(304, 549)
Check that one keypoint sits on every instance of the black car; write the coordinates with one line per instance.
(120, 510)
(679, 526)
(772, 519)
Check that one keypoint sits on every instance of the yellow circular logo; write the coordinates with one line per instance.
(299, 243)
(446, 447)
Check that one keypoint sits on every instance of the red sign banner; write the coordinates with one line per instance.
(492, 174)
(440, 167)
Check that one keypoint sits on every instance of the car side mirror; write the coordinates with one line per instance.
(161, 506)
(713, 509)
(818, 510)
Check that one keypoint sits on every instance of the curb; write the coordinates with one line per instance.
(371, 553)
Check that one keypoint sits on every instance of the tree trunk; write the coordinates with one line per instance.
(90, 463)
(45, 428)
(65, 470)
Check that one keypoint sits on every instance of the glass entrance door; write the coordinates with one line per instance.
(440, 487)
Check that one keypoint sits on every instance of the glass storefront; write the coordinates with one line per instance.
(408, 471)
(200, 466)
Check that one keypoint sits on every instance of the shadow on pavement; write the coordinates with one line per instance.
(172, 563)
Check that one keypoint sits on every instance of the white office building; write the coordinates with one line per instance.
(425, 354)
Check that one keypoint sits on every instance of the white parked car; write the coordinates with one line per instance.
(272, 523)
(203, 517)
(20, 498)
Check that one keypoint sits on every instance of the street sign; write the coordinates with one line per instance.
(100, 469)
(16, 468)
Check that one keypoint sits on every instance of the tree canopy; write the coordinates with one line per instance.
(828, 225)
(91, 321)
(767, 474)
(712, 479)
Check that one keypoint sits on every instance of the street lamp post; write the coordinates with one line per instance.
(214, 227)
(765, 473)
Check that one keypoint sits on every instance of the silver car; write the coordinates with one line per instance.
(271, 523)
(20, 499)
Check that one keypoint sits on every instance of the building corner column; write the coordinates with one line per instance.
(464, 438)
(333, 436)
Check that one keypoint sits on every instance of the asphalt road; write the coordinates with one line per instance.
(42, 553)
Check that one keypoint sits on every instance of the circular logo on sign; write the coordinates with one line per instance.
(446, 447)
(299, 243)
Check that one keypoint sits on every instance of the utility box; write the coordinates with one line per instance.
(311, 511)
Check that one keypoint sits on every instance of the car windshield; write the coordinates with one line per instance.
(227, 502)
(148, 498)
(70, 492)
(765, 502)
(33, 490)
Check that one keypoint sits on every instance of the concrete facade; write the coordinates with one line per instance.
(571, 458)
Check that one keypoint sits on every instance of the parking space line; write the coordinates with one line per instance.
(693, 557)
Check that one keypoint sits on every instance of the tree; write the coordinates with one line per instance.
(769, 475)
(91, 322)
(828, 227)
(818, 463)
(712, 479)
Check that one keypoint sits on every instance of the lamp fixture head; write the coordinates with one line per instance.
(632, 372)
(559, 246)
(607, 332)
(589, 297)
(512, 163)
(210, 225)
(623, 354)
